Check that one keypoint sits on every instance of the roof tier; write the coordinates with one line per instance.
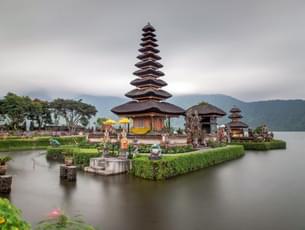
(235, 110)
(148, 71)
(143, 82)
(149, 38)
(235, 116)
(149, 34)
(148, 28)
(149, 43)
(147, 93)
(237, 125)
(149, 48)
(149, 55)
(148, 63)
(135, 107)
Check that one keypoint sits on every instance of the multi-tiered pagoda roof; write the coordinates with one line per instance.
(148, 96)
(236, 117)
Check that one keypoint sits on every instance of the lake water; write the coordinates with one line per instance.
(262, 190)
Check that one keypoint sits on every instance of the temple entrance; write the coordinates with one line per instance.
(206, 125)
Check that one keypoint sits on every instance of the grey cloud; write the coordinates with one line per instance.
(247, 49)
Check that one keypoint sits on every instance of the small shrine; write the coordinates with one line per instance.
(148, 110)
(201, 123)
(236, 126)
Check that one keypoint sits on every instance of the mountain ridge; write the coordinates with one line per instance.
(278, 114)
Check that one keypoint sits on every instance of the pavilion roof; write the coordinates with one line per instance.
(205, 109)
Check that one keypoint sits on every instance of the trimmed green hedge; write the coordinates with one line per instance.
(262, 146)
(81, 156)
(170, 166)
(36, 143)
(169, 150)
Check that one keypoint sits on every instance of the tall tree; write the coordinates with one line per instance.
(40, 113)
(15, 109)
(73, 112)
(2, 114)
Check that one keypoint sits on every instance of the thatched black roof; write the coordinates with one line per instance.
(149, 43)
(235, 115)
(205, 109)
(237, 125)
(148, 92)
(235, 110)
(149, 48)
(148, 81)
(148, 34)
(151, 71)
(148, 27)
(148, 63)
(149, 55)
(135, 107)
(149, 38)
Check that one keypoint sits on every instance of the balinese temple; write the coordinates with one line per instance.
(148, 109)
(236, 126)
(201, 120)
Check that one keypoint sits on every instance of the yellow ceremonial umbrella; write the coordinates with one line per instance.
(124, 120)
(109, 122)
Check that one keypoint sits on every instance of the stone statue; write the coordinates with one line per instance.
(193, 129)
(124, 147)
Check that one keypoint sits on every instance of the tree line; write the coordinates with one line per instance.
(16, 110)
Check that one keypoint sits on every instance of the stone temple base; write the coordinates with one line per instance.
(108, 166)
(68, 172)
(5, 183)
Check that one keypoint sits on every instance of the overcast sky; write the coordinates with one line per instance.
(252, 50)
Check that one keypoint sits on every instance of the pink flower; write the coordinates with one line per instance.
(55, 213)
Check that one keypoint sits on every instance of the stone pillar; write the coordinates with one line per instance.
(62, 171)
(5, 183)
(68, 172)
(71, 173)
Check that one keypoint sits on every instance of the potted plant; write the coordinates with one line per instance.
(68, 159)
(3, 165)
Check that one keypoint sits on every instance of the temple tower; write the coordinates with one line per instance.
(148, 110)
(236, 126)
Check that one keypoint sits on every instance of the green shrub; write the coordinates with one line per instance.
(57, 153)
(81, 156)
(262, 146)
(170, 166)
(169, 150)
(10, 217)
(36, 142)
(178, 149)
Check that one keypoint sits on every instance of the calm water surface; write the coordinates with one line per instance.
(262, 190)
